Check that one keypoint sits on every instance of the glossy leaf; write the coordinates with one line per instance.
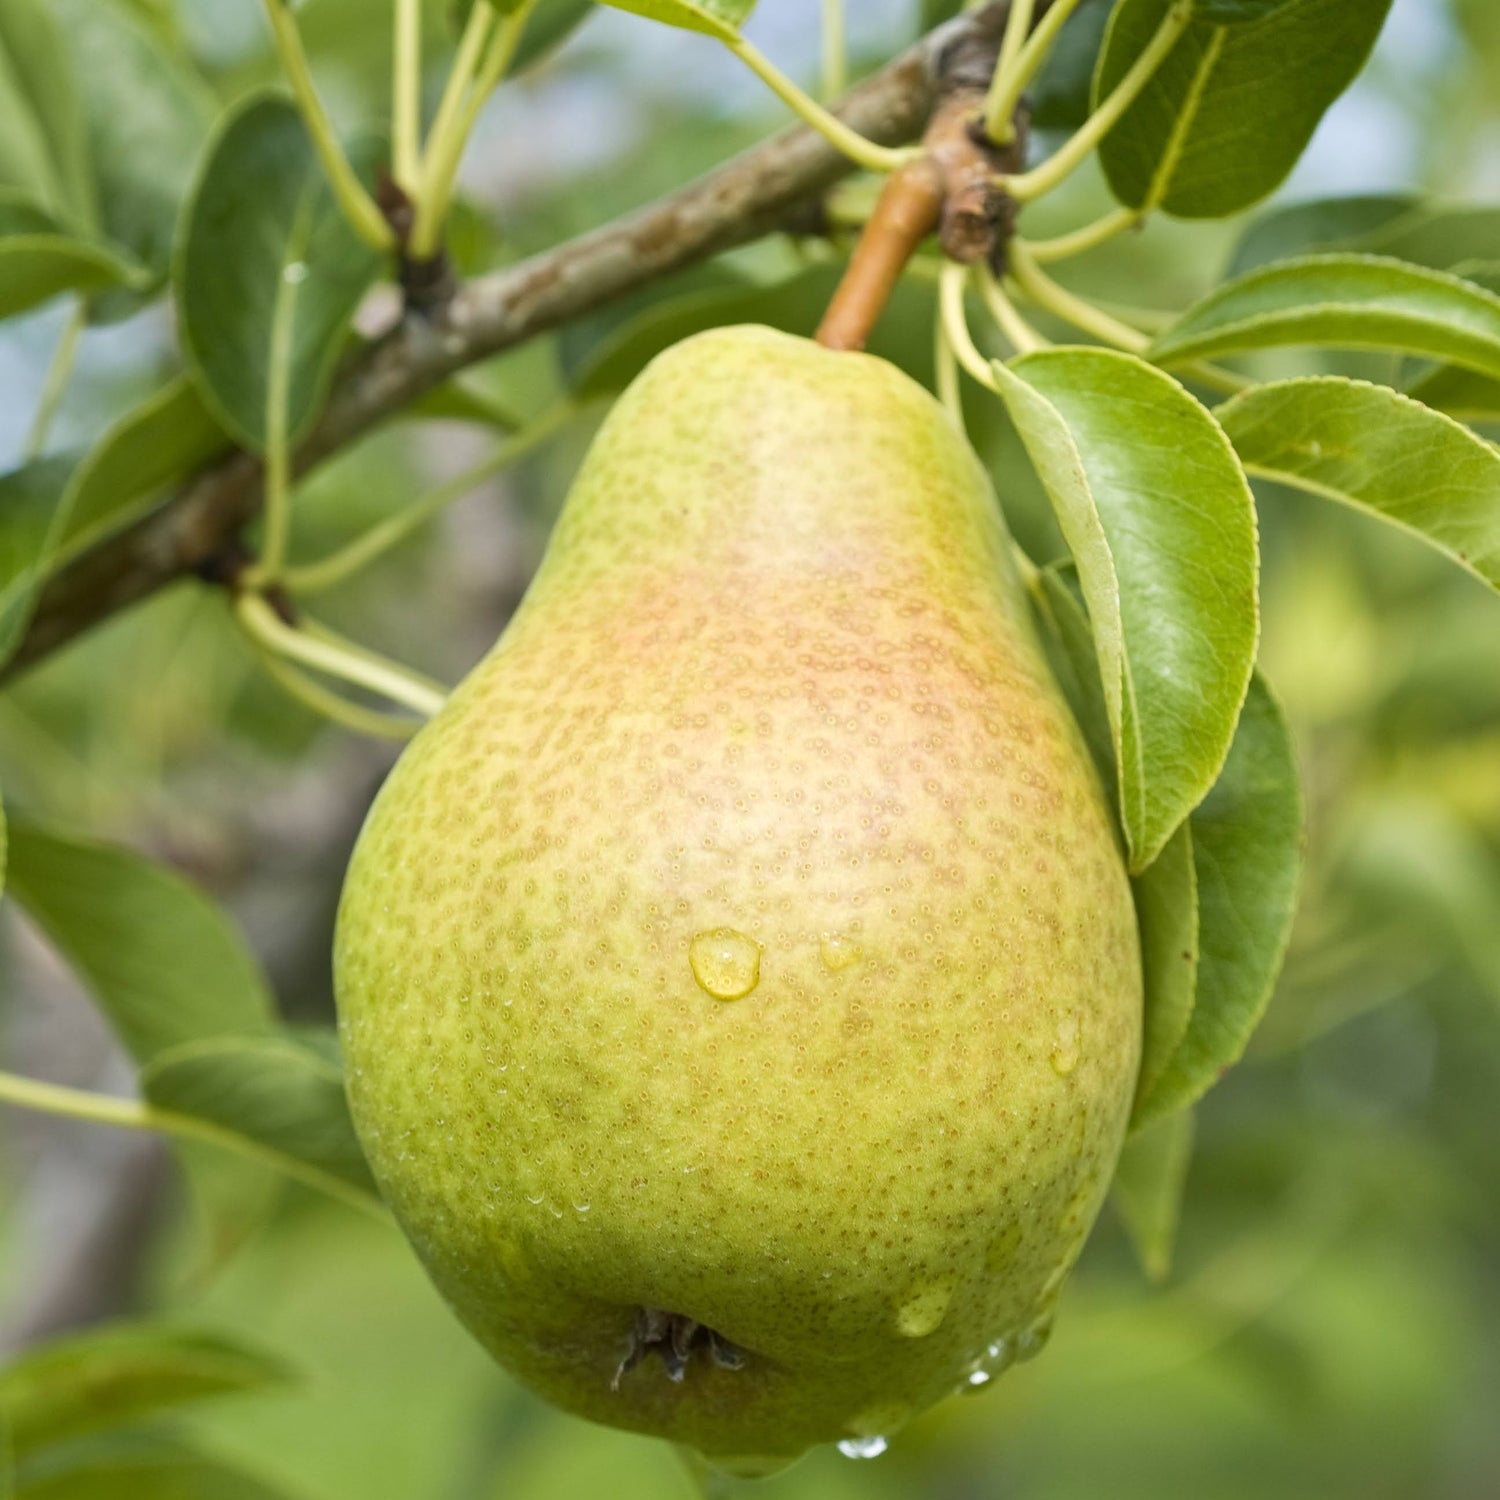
(1227, 115)
(1465, 394)
(148, 115)
(1401, 225)
(40, 259)
(163, 960)
(1346, 302)
(1381, 452)
(1166, 894)
(43, 132)
(277, 1089)
(1067, 638)
(1247, 854)
(268, 270)
(107, 1377)
(1166, 904)
(1159, 519)
(1148, 1189)
(720, 18)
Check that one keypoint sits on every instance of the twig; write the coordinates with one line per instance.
(951, 188)
(754, 195)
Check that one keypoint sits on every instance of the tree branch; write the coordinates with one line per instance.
(751, 196)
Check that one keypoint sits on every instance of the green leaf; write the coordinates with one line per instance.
(155, 1469)
(1062, 92)
(148, 117)
(1381, 452)
(1166, 905)
(1237, 12)
(1461, 393)
(1161, 525)
(283, 1091)
(1345, 302)
(105, 1378)
(1057, 604)
(56, 508)
(40, 259)
(266, 262)
(720, 18)
(1148, 1189)
(1400, 225)
(163, 960)
(1224, 119)
(43, 133)
(1247, 853)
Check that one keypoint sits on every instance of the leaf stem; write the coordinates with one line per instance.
(1033, 184)
(835, 50)
(278, 474)
(1042, 290)
(1066, 246)
(1022, 336)
(315, 577)
(952, 286)
(59, 373)
(333, 706)
(445, 151)
(357, 205)
(135, 1114)
(338, 659)
(1019, 67)
(1005, 88)
(945, 364)
(862, 152)
(406, 102)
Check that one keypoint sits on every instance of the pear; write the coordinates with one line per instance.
(738, 978)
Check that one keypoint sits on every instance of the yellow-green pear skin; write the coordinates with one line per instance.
(746, 945)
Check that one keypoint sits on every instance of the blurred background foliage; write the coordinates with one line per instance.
(1331, 1323)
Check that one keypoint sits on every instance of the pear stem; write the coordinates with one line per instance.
(949, 189)
(908, 210)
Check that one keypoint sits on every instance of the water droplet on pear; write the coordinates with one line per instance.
(725, 963)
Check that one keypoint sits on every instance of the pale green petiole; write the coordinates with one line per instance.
(358, 207)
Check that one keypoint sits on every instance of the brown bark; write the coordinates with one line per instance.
(751, 196)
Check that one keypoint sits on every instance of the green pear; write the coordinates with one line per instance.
(738, 978)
